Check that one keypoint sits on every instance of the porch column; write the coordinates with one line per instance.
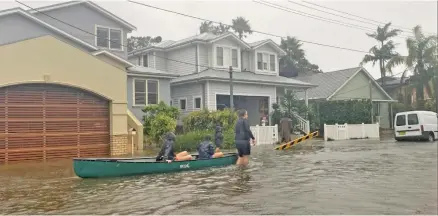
(306, 98)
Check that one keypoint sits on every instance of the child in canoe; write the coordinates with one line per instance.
(218, 138)
(167, 154)
(206, 149)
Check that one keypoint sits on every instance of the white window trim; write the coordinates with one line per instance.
(146, 92)
(109, 35)
(226, 66)
(179, 103)
(268, 71)
(194, 102)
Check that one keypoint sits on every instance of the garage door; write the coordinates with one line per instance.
(43, 122)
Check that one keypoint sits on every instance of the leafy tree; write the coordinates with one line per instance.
(141, 42)
(384, 51)
(421, 60)
(159, 119)
(241, 26)
(295, 62)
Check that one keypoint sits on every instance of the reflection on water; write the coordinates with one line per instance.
(354, 177)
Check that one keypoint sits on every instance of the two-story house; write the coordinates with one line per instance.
(63, 83)
(201, 65)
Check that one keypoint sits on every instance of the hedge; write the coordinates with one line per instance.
(207, 120)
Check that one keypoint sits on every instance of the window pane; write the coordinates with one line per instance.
(139, 60)
(265, 61)
(140, 92)
(234, 58)
(401, 120)
(198, 103)
(152, 92)
(259, 61)
(182, 104)
(116, 39)
(220, 56)
(145, 60)
(102, 37)
(272, 62)
(412, 119)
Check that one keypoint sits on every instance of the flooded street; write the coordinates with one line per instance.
(342, 177)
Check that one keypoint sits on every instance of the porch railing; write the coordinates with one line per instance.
(303, 124)
(265, 135)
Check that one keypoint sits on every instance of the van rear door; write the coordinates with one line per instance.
(400, 125)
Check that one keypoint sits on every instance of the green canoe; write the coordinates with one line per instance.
(115, 167)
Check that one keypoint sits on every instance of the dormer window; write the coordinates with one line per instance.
(227, 56)
(109, 38)
(266, 62)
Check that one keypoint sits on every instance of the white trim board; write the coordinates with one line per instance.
(354, 75)
(146, 91)
(104, 52)
(109, 35)
(194, 102)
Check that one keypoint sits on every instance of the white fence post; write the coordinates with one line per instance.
(257, 133)
(325, 132)
(276, 133)
(378, 128)
(337, 131)
(363, 130)
(346, 131)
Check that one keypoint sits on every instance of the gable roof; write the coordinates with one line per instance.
(91, 5)
(205, 37)
(121, 60)
(258, 44)
(241, 77)
(48, 26)
(330, 83)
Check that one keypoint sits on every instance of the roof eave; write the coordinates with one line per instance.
(123, 61)
(209, 78)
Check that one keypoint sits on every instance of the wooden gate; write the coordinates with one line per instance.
(45, 121)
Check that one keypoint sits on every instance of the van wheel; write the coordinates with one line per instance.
(431, 137)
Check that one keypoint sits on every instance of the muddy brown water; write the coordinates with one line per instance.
(348, 177)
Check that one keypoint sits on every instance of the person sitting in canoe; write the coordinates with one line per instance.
(206, 149)
(167, 154)
(218, 138)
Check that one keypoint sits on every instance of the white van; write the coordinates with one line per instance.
(416, 125)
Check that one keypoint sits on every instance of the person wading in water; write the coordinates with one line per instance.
(243, 138)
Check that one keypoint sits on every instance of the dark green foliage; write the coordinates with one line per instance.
(207, 120)
(190, 140)
(345, 111)
(158, 120)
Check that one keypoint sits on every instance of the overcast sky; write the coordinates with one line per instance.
(262, 18)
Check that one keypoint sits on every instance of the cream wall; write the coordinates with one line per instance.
(47, 59)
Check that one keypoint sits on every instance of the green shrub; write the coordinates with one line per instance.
(190, 140)
(207, 120)
(158, 120)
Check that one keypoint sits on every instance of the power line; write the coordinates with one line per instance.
(264, 33)
(379, 22)
(117, 42)
(283, 8)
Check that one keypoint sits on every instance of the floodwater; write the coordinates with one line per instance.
(348, 177)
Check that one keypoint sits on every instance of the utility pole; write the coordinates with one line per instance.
(371, 101)
(436, 92)
(231, 89)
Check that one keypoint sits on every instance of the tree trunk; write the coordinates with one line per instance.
(382, 72)
(419, 93)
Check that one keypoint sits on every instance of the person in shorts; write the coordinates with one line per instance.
(243, 138)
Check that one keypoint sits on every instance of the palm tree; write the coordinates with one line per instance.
(220, 29)
(384, 51)
(295, 61)
(421, 60)
(206, 26)
(241, 27)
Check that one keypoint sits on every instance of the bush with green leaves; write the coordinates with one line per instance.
(158, 120)
(207, 120)
(345, 111)
(190, 140)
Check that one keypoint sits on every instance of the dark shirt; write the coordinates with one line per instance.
(218, 137)
(205, 150)
(166, 152)
(242, 131)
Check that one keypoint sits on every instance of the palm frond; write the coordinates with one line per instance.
(369, 58)
(418, 33)
(393, 33)
(394, 62)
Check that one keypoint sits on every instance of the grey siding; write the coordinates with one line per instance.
(163, 94)
(84, 18)
(203, 56)
(186, 54)
(160, 63)
(266, 48)
(188, 92)
(16, 28)
(246, 55)
(227, 42)
(134, 60)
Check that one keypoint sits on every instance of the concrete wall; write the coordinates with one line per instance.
(67, 65)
